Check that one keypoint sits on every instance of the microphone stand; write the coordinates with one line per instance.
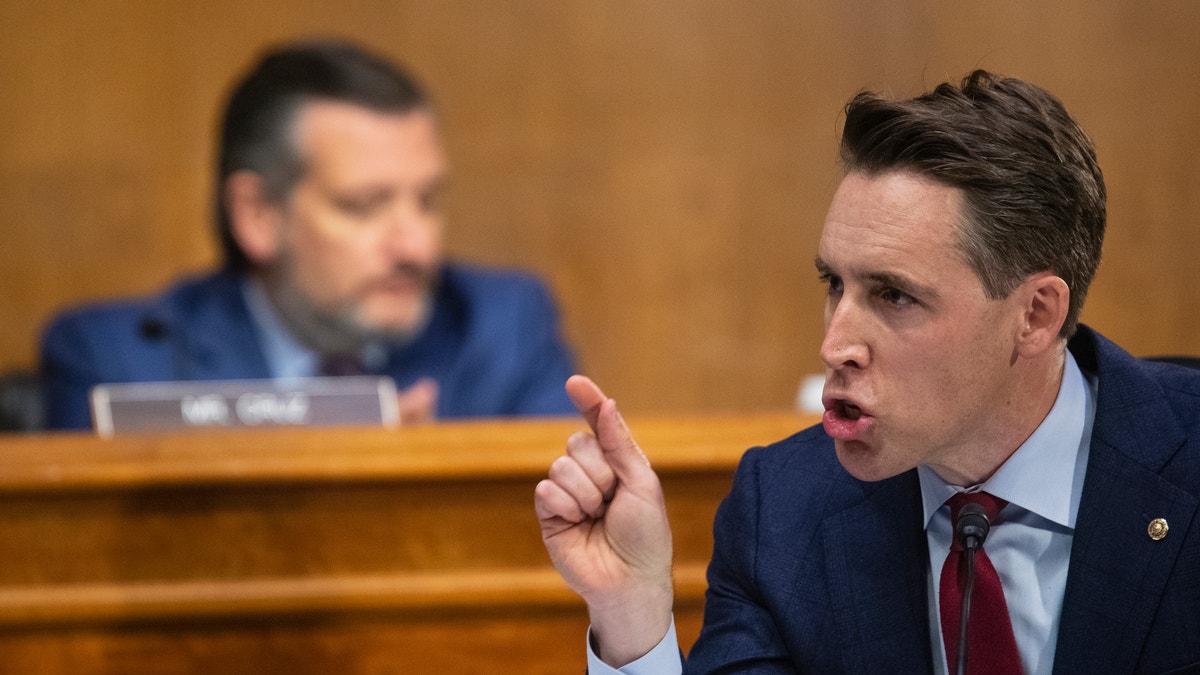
(971, 528)
(965, 614)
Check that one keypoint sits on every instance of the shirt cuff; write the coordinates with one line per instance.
(664, 659)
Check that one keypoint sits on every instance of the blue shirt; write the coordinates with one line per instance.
(286, 357)
(1030, 545)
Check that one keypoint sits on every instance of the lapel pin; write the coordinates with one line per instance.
(1157, 529)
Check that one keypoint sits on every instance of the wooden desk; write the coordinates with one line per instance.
(332, 551)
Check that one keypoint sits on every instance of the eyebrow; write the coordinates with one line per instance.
(891, 279)
(823, 267)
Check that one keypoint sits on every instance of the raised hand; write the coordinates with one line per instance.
(418, 403)
(605, 526)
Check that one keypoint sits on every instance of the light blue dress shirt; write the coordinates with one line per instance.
(1030, 542)
(286, 357)
(662, 660)
(1030, 545)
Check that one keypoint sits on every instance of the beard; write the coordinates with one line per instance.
(341, 328)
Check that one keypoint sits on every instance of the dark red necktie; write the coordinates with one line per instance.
(991, 647)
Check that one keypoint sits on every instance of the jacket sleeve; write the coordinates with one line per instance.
(739, 633)
(68, 372)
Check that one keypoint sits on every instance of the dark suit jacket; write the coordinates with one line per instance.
(817, 572)
(492, 344)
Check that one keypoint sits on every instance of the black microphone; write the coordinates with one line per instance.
(972, 526)
(154, 328)
(970, 529)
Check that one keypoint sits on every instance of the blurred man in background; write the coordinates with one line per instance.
(328, 205)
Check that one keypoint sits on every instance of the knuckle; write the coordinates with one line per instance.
(578, 442)
(560, 467)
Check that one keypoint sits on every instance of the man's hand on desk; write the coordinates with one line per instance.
(418, 403)
(604, 523)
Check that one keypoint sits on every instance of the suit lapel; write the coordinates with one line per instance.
(876, 560)
(1117, 571)
(221, 342)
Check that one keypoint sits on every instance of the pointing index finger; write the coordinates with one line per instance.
(588, 398)
(609, 428)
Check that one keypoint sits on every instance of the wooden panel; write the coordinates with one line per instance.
(356, 551)
(665, 165)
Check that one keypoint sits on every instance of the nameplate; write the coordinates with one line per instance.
(242, 404)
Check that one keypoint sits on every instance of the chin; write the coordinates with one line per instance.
(863, 461)
(396, 328)
(387, 330)
(395, 319)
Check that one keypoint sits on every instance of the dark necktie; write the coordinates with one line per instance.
(991, 647)
(341, 365)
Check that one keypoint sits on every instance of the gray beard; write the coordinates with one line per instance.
(336, 331)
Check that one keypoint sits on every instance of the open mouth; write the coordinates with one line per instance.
(845, 420)
(850, 411)
(844, 409)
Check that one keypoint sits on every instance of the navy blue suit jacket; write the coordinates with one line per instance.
(492, 344)
(817, 572)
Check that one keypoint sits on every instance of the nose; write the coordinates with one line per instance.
(411, 231)
(844, 345)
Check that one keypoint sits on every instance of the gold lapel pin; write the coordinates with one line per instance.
(1157, 529)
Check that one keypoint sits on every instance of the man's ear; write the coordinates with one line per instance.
(1045, 299)
(255, 219)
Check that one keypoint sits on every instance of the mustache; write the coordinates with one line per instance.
(424, 275)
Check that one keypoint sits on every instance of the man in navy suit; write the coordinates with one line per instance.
(331, 168)
(956, 255)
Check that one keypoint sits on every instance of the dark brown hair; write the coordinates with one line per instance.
(1033, 192)
(256, 130)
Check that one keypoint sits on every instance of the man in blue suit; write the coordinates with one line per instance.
(956, 254)
(331, 169)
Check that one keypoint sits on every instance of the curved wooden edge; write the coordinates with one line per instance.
(491, 449)
(461, 592)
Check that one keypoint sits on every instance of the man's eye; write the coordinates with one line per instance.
(896, 297)
(833, 283)
(358, 208)
(431, 201)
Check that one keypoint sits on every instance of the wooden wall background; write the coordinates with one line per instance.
(664, 165)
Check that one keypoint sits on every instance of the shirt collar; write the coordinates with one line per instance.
(1055, 455)
(286, 357)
